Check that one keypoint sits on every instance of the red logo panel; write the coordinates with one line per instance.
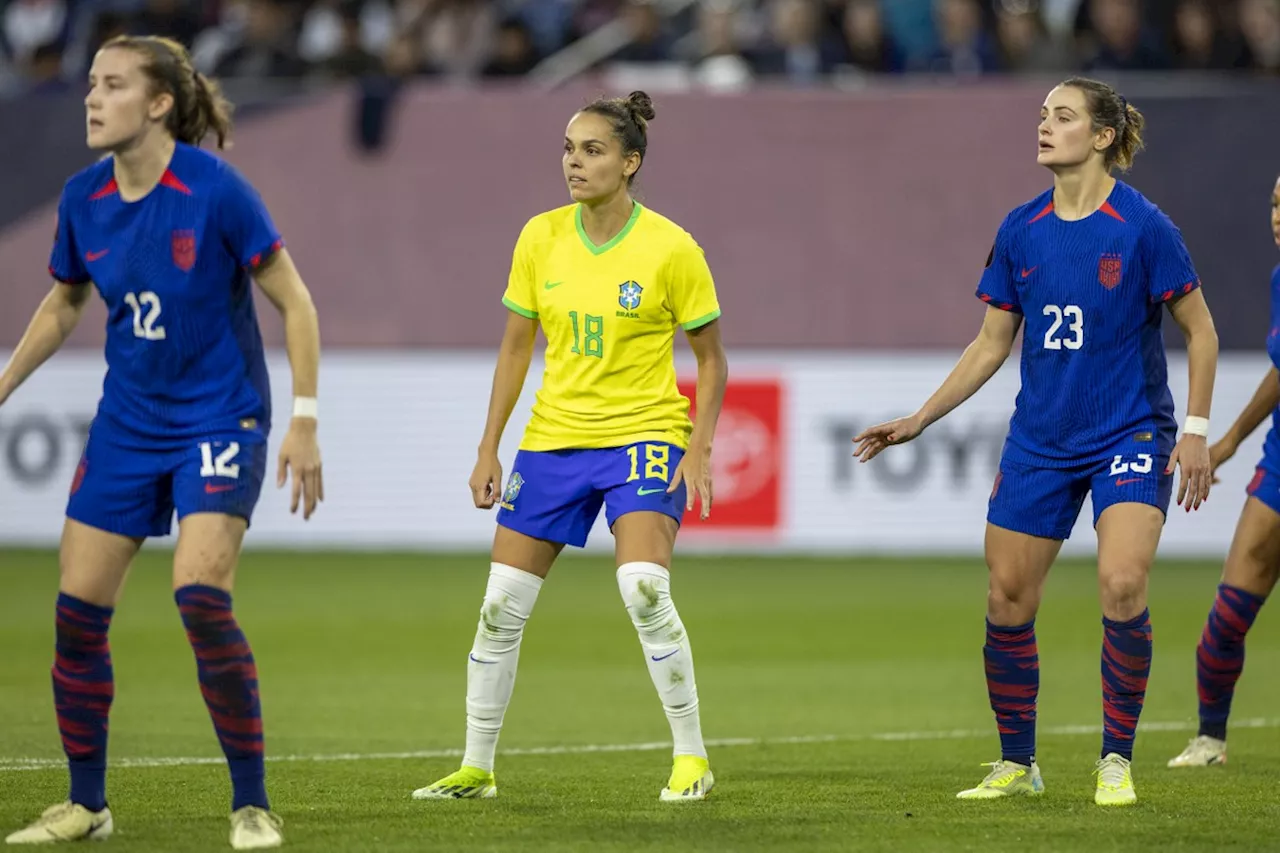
(747, 458)
(1109, 271)
(184, 250)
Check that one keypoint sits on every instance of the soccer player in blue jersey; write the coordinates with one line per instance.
(170, 237)
(1089, 266)
(1252, 564)
(609, 282)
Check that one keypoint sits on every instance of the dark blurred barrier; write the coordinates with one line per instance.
(830, 220)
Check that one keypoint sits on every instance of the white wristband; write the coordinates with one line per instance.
(306, 407)
(1196, 426)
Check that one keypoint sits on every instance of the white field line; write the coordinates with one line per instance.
(11, 765)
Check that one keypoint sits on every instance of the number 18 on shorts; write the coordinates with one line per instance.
(556, 495)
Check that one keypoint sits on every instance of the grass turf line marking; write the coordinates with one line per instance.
(13, 765)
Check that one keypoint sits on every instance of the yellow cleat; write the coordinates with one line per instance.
(1006, 779)
(467, 783)
(65, 822)
(691, 779)
(1115, 782)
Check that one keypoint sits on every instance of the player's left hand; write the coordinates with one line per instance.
(1192, 455)
(301, 452)
(694, 471)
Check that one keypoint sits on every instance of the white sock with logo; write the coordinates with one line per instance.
(491, 666)
(646, 590)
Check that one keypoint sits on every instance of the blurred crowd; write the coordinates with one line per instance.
(46, 45)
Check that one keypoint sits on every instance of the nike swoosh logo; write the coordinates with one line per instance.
(1128, 481)
(643, 492)
(664, 657)
(211, 489)
(552, 285)
(477, 660)
(94, 256)
(1026, 273)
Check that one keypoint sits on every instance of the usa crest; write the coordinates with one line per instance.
(1109, 270)
(629, 294)
(184, 250)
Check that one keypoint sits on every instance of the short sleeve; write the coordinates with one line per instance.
(1168, 264)
(998, 286)
(65, 262)
(247, 230)
(691, 288)
(520, 295)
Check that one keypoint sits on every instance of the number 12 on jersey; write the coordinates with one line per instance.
(1073, 318)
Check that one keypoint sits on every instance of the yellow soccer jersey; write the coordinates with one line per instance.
(610, 315)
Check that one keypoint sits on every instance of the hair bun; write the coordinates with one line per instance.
(641, 105)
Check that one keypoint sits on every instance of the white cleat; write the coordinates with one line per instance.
(253, 828)
(65, 822)
(1203, 751)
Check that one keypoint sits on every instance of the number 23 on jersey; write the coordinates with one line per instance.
(1066, 329)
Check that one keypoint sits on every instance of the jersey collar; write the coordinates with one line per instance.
(617, 238)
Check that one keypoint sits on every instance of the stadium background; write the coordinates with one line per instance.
(845, 166)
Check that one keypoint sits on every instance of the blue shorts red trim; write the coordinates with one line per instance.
(556, 495)
(129, 491)
(1265, 486)
(1046, 502)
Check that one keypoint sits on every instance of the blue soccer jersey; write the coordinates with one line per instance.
(1271, 448)
(184, 352)
(1092, 293)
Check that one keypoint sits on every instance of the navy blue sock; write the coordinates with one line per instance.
(83, 687)
(229, 682)
(1013, 684)
(1126, 663)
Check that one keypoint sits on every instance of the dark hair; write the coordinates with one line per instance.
(629, 117)
(199, 108)
(1108, 108)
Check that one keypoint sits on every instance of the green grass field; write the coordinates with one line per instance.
(846, 698)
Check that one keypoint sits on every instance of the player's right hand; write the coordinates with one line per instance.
(486, 481)
(874, 439)
(1220, 452)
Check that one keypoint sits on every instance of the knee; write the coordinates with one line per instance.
(646, 592)
(1123, 589)
(206, 612)
(1012, 599)
(499, 621)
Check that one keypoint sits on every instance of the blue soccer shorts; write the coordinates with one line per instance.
(556, 495)
(126, 488)
(1265, 485)
(1043, 501)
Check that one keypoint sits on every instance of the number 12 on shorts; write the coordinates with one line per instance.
(220, 465)
(657, 462)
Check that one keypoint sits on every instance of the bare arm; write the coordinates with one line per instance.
(713, 374)
(283, 286)
(1191, 454)
(514, 355)
(1264, 402)
(1191, 313)
(53, 322)
(980, 361)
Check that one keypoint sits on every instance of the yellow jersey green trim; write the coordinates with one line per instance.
(523, 312)
(617, 238)
(701, 321)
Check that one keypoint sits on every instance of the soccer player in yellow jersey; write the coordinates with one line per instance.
(609, 282)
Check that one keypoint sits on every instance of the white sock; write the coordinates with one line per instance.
(491, 666)
(646, 590)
